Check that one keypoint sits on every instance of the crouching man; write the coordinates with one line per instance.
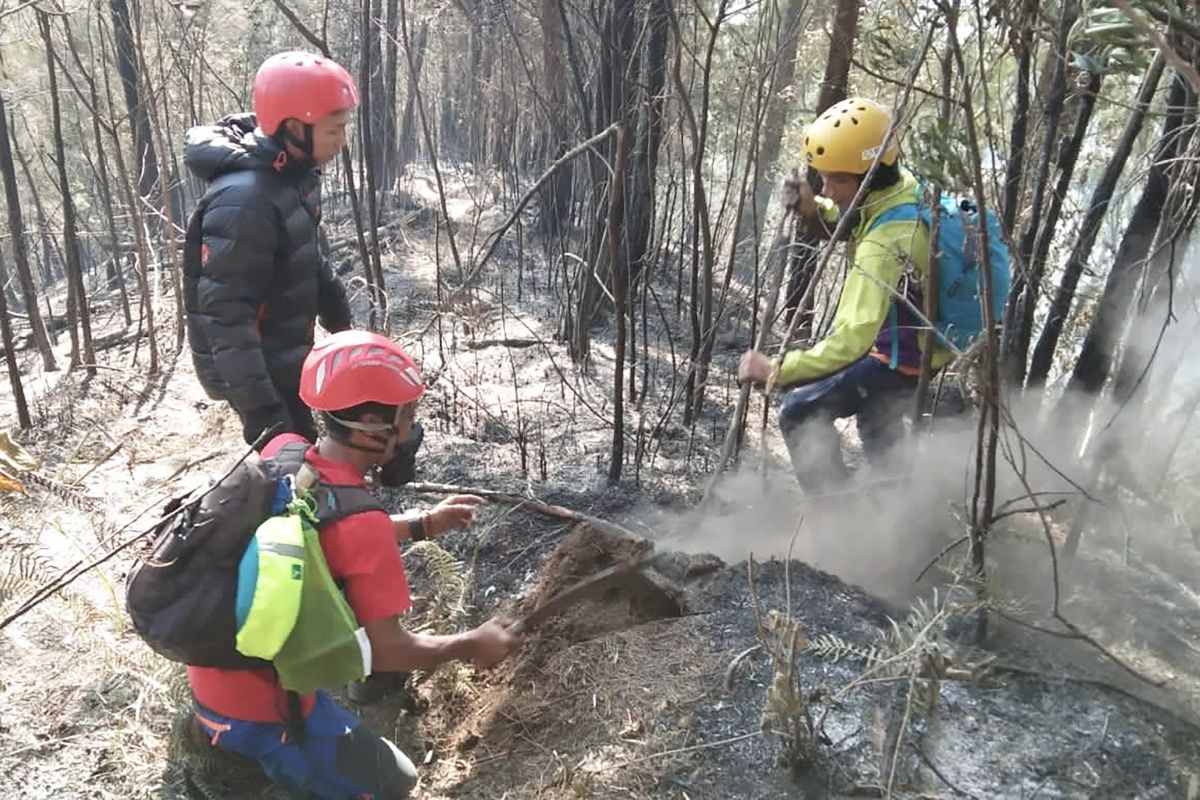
(364, 390)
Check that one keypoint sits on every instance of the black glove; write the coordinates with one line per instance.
(402, 468)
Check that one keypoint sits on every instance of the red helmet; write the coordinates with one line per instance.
(353, 367)
(303, 86)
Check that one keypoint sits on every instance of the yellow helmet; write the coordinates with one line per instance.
(847, 137)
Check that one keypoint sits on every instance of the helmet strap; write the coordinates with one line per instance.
(371, 429)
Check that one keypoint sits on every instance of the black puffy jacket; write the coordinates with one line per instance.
(254, 280)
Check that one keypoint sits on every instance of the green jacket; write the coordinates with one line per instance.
(878, 261)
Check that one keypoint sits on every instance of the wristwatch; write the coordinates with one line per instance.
(416, 528)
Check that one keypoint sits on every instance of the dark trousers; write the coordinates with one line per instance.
(257, 420)
(868, 390)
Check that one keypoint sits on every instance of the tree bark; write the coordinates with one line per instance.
(391, 65)
(1095, 360)
(1015, 168)
(1018, 317)
(70, 235)
(618, 270)
(1068, 155)
(409, 137)
(555, 200)
(803, 259)
(787, 49)
(16, 226)
(10, 360)
(146, 159)
(371, 157)
(1060, 307)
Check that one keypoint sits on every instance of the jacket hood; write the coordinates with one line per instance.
(231, 145)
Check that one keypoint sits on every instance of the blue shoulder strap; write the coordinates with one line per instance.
(905, 212)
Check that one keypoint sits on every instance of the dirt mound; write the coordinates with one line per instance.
(639, 597)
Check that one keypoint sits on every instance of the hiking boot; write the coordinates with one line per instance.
(377, 686)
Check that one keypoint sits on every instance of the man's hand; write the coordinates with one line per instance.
(798, 195)
(456, 511)
(492, 642)
(754, 367)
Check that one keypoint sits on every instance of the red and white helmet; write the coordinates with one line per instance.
(303, 86)
(353, 367)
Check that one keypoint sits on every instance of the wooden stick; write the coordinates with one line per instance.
(777, 263)
(532, 503)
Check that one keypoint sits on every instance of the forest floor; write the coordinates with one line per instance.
(660, 693)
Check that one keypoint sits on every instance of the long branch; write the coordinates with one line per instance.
(493, 238)
(531, 503)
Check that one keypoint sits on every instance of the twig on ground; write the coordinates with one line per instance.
(691, 749)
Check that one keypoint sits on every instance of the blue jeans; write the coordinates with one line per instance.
(868, 390)
(340, 758)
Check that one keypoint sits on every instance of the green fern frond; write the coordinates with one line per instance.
(834, 648)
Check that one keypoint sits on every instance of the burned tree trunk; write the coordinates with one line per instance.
(16, 226)
(408, 127)
(78, 293)
(1095, 360)
(1015, 169)
(833, 89)
(146, 159)
(391, 65)
(778, 107)
(1018, 316)
(555, 199)
(1036, 268)
(10, 360)
(1047, 343)
(371, 156)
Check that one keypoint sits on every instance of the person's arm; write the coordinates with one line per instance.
(239, 237)
(333, 307)
(456, 511)
(860, 314)
(393, 649)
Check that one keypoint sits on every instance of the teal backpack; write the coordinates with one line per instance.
(960, 274)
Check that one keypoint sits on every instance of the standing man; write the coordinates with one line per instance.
(869, 364)
(254, 280)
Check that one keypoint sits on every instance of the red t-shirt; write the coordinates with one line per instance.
(361, 552)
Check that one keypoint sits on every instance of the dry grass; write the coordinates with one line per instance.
(586, 719)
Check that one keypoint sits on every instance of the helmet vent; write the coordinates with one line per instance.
(820, 151)
(855, 121)
(837, 123)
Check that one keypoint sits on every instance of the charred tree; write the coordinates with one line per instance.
(1095, 361)
(78, 292)
(787, 48)
(145, 157)
(1021, 31)
(10, 360)
(16, 226)
(1068, 156)
(1081, 250)
(409, 137)
(833, 90)
(554, 201)
(1018, 315)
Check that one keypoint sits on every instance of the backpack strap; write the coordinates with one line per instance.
(905, 212)
(333, 502)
